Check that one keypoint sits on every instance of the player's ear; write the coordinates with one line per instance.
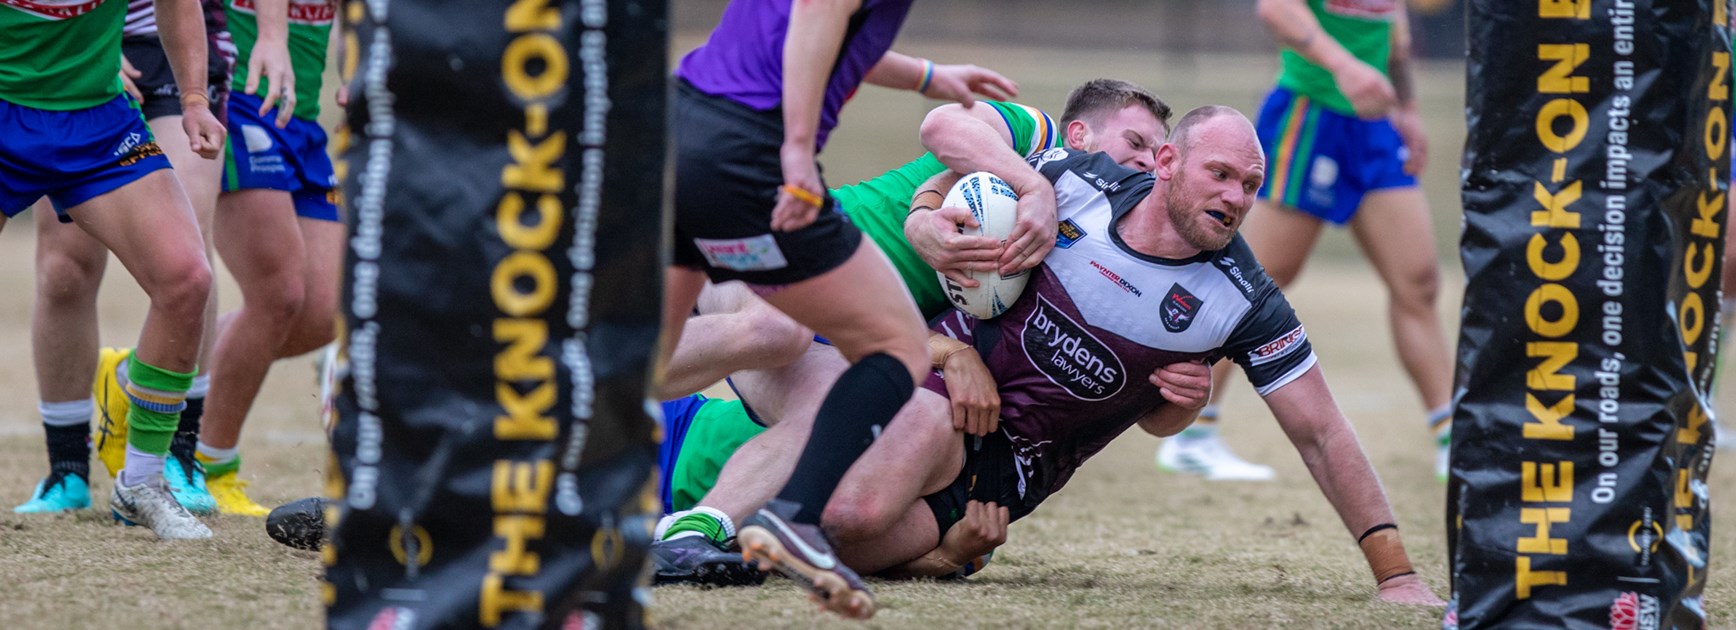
(1078, 134)
(1168, 159)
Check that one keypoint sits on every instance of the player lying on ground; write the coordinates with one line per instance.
(699, 435)
(1084, 354)
(741, 337)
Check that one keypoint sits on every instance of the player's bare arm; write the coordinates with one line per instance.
(933, 231)
(1187, 386)
(959, 82)
(976, 400)
(816, 32)
(971, 540)
(270, 60)
(1294, 26)
(1404, 117)
(964, 138)
(181, 25)
(1310, 417)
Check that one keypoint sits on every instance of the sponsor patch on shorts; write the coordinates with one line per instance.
(1278, 348)
(754, 253)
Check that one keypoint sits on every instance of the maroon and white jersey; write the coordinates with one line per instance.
(142, 22)
(1073, 354)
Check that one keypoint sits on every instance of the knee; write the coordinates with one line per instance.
(775, 338)
(63, 278)
(183, 288)
(855, 516)
(279, 300)
(1417, 288)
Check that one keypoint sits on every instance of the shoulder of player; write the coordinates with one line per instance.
(1237, 263)
(1091, 167)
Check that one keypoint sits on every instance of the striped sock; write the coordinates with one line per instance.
(1441, 420)
(1205, 427)
(219, 461)
(157, 396)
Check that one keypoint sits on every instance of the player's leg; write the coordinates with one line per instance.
(151, 228)
(316, 326)
(1394, 230)
(202, 180)
(64, 343)
(1281, 239)
(733, 331)
(260, 240)
(871, 514)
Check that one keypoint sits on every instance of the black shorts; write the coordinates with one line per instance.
(990, 474)
(157, 80)
(727, 176)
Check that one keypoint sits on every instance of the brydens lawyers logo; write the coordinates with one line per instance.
(1069, 355)
(1179, 308)
(1633, 611)
(54, 9)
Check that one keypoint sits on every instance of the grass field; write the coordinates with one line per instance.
(1123, 546)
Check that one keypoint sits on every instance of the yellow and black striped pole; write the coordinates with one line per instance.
(504, 177)
(1595, 175)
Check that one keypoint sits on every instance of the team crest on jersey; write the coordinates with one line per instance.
(1068, 233)
(1070, 356)
(1368, 9)
(1179, 308)
(54, 9)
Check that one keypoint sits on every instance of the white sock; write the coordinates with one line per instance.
(201, 385)
(215, 455)
(66, 414)
(121, 373)
(1440, 417)
(141, 467)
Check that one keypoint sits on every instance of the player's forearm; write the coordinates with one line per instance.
(272, 16)
(899, 71)
(811, 46)
(966, 141)
(1398, 63)
(1294, 26)
(181, 26)
(1167, 420)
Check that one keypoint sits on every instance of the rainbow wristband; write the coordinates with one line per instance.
(927, 76)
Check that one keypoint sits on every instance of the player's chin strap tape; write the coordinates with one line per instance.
(1385, 553)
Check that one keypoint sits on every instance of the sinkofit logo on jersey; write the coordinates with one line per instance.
(54, 9)
(1070, 356)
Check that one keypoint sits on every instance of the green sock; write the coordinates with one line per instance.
(1204, 427)
(701, 521)
(157, 396)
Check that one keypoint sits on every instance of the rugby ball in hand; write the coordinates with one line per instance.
(992, 202)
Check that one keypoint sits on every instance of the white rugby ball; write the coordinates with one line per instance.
(992, 202)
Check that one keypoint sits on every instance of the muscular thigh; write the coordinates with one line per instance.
(918, 453)
(792, 393)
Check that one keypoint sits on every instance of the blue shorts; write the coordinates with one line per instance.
(72, 156)
(1322, 162)
(677, 416)
(292, 159)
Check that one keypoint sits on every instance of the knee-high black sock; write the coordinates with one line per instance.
(860, 404)
(187, 433)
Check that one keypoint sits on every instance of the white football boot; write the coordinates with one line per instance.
(150, 504)
(1208, 457)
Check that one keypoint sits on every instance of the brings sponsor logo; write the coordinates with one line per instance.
(1071, 356)
(1278, 348)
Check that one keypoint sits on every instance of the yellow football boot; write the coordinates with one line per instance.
(111, 407)
(229, 490)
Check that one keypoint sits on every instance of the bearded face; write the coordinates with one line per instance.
(1200, 216)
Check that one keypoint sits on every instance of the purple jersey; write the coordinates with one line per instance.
(1072, 355)
(744, 58)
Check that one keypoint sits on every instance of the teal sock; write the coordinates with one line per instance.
(1203, 428)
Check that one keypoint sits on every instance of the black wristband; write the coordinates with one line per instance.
(1395, 575)
(919, 209)
(1374, 529)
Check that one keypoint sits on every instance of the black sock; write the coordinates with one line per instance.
(186, 439)
(69, 448)
(863, 401)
